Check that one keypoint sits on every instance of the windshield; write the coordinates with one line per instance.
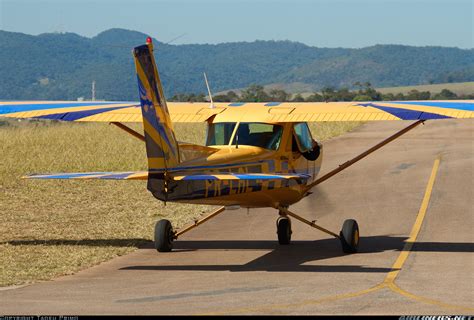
(219, 133)
(261, 135)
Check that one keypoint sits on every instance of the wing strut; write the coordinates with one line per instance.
(363, 155)
(198, 222)
(128, 130)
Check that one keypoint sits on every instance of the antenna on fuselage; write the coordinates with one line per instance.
(209, 91)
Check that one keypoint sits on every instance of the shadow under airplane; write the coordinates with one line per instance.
(296, 257)
(299, 255)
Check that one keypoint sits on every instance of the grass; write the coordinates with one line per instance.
(50, 228)
(459, 88)
(306, 89)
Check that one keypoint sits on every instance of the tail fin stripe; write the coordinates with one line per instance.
(161, 144)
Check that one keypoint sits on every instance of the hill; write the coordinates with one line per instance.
(63, 66)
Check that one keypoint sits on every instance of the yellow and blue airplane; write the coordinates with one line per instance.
(256, 154)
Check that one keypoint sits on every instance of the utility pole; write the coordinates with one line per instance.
(93, 90)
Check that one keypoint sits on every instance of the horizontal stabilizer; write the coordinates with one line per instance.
(130, 175)
(242, 176)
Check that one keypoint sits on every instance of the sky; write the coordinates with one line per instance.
(320, 23)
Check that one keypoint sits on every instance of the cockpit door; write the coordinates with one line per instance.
(306, 146)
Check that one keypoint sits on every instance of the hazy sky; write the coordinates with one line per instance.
(322, 23)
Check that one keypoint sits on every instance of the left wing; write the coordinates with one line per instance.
(130, 175)
(244, 112)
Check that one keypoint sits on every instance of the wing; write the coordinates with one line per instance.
(130, 175)
(244, 112)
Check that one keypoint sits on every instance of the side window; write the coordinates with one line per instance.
(263, 135)
(219, 133)
(303, 137)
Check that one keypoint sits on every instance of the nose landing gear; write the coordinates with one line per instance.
(349, 235)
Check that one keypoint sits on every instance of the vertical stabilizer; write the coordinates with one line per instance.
(161, 145)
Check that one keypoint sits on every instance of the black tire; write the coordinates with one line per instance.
(163, 236)
(350, 236)
(284, 231)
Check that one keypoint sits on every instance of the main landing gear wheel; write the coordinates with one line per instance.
(349, 236)
(164, 236)
(284, 230)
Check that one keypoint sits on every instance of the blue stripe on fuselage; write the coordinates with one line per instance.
(217, 166)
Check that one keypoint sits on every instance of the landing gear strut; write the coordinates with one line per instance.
(165, 235)
(349, 235)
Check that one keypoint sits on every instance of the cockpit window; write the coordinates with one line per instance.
(263, 135)
(219, 133)
(303, 136)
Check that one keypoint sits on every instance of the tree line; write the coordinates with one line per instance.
(365, 92)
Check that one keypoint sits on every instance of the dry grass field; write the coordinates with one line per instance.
(50, 228)
(459, 88)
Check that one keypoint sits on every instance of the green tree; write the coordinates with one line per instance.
(315, 97)
(298, 98)
(254, 93)
(388, 97)
(329, 94)
(344, 94)
(400, 97)
(221, 98)
(417, 95)
(279, 95)
(361, 97)
(233, 97)
(445, 94)
(365, 89)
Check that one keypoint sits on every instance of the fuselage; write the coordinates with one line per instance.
(272, 148)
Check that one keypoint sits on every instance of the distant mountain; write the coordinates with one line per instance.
(63, 65)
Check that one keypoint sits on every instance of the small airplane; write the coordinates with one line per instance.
(256, 154)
